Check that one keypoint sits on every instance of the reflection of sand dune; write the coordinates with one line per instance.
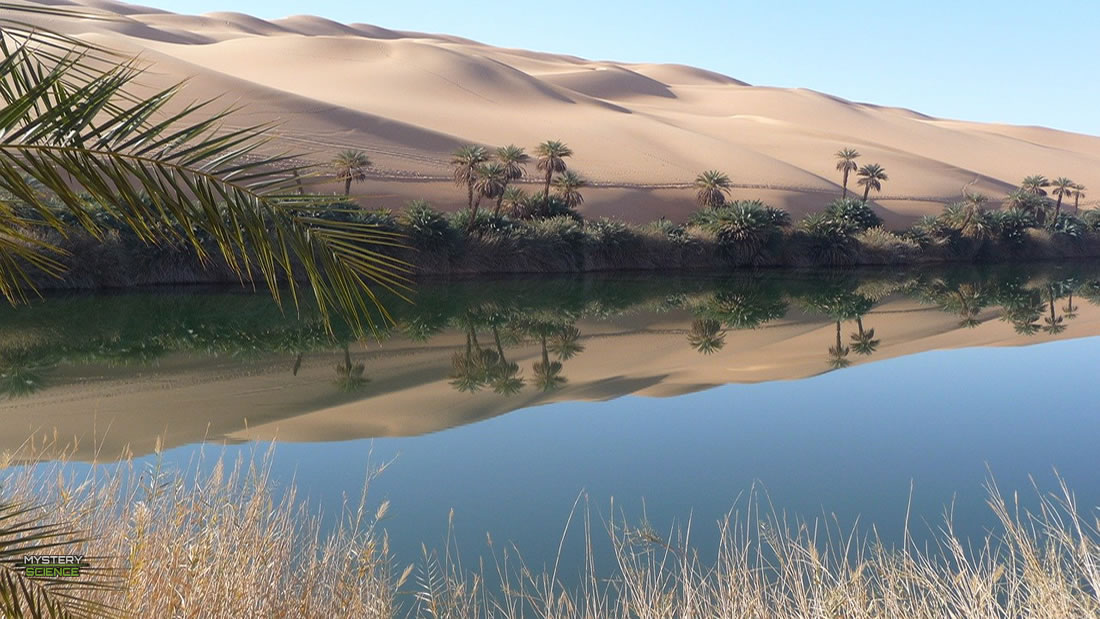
(410, 98)
(187, 399)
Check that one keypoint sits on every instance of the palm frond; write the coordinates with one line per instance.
(71, 136)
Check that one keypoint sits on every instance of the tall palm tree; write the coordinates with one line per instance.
(871, 177)
(351, 165)
(1062, 187)
(838, 354)
(1035, 184)
(863, 341)
(706, 336)
(712, 187)
(465, 162)
(1078, 193)
(513, 158)
(550, 158)
(76, 133)
(846, 164)
(490, 179)
(568, 187)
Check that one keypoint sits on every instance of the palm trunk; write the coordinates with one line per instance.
(549, 175)
(859, 324)
(845, 183)
(1076, 203)
(500, 349)
(470, 195)
(839, 344)
(1057, 210)
(866, 192)
(500, 202)
(347, 186)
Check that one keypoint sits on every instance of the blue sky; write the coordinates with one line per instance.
(1008, 61)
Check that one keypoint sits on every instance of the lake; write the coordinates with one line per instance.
(855, 395)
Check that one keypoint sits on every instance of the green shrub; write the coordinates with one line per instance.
(428, 229)
(539, 206)
(1092, 219)
(1069, 226)
(855, 213)
(609, 233)
(485, 223)
(885, 246)
(1012, 225)
(745, 230)
(831, 240)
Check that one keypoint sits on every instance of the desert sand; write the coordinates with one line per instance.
(641, 132)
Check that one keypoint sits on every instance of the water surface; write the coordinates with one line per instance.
(840, 393)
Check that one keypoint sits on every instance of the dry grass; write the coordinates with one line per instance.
(219, 544)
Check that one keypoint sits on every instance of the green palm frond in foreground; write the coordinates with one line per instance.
(73, 134)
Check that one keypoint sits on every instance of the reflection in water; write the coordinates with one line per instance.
(505, 344)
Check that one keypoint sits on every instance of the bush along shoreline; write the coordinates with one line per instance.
(551, 237)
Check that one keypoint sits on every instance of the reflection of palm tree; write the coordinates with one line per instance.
(467, 368)
(1024, 310)
(566, 343)
(547, 373)
(21, 373)
(1053, 324)
(864, 342)
(706, 336)
(1069, 310)
(838, 355)
(349, 377)
(505, 374)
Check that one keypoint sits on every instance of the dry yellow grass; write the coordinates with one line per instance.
(219, 544)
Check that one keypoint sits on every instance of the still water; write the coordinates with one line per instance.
(855, 395)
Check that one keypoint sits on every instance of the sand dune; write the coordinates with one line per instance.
(641, 131)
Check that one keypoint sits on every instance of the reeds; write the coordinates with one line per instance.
(232, 542)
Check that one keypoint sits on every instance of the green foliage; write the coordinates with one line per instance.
(610, 233)
(485, 222)
(1092, 219)
(853, 213)
(831, 240)
(1012, 225)
(1069, 226)
(427, 229)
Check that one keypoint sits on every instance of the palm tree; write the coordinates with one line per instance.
(1078, 193)
(838, 354)
(871, 177)
(568, 187)
(489, 182)
(551, 156)
(970, 225)
(1035, 184)
(1062, 187)
(706, 336)
(846, 164)
(864, 342)
(75, 133)
(712, 188)
(513, 198)
(513, 158)
(505, 377)
(351, 165)
(465, 162)
(1026, 202)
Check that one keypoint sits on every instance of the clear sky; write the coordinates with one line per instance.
(1013, 61)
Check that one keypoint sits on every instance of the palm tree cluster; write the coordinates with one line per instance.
(871, 175)
(492, 176)
(1031, 197)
